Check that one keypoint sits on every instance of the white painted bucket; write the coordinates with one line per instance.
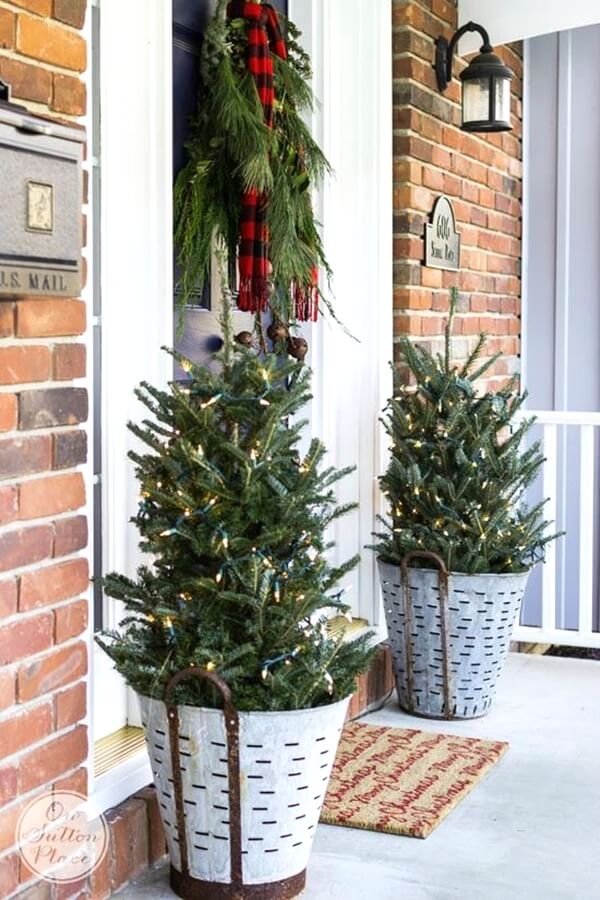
(285, 763)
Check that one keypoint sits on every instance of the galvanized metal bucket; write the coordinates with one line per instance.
(240, 793)
(449, 635)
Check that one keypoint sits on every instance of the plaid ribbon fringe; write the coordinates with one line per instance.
(265, 39)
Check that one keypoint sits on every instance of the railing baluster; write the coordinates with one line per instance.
(586, 529)
(588, 425)
(550, 489)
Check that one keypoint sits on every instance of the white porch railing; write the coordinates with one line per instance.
(566, 455)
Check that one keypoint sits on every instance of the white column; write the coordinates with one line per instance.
(350, 45)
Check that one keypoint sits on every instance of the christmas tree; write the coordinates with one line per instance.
(235, 521)
(458, 474)
(252, 162)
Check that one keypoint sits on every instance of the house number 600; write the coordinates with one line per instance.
(443, 228)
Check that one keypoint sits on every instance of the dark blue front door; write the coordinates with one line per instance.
(189, 21)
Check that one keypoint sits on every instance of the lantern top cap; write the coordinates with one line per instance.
(484, 65)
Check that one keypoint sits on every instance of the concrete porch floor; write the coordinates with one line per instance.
(529, 831)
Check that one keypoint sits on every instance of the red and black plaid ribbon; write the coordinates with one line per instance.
(264, 39)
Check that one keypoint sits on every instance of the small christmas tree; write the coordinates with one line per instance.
(458, 475)
(235, 520)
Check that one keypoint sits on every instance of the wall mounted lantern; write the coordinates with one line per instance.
(485, 82)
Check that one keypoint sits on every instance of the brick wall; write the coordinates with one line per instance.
(43, 529)
(482, 176)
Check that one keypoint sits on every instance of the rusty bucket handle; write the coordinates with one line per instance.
(232, 727)
(443, 577)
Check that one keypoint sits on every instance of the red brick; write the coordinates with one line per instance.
(432, 325)
(24, 729)
(410, 298)
(445, 11)
(478, 216)
(50, 407)
(7, 689)
(55, 757)
(453, 186)
(41, 7)
(76, 781)
(8, 823)
(25, 637)
(52, 672)
(440, 302)
(8, 597)
(22, 364)
(441, 157)
(25, 546)
(7, 308)
(407, 170)
(479, 303)
(69, 95)
(407, 247)
(70, 449)
(487, 198)
(51, 43)
(9, 413)
(129, 841)
(408, 325)
(25, 456)
(50, 318)
(69, 361)
(27, 82)
(70, 535)
(53, 583)
(433, 178)
(70, 621)
(75, 890)
(157, 846)
(7, 29)
(361, 690)
(353, 710)
(8, 786)
(71, 705)
(431, 277)
(9, 873)
(72, 12)
(9, 504)
(100, 880)
(51, 496)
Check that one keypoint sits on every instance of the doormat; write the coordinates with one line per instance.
(403, 781)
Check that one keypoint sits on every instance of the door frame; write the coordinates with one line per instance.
(135, 277)
(136, 270)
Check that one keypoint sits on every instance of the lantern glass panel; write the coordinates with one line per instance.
(502, 98)
(476, 100)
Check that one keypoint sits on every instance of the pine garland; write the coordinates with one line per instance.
(235, 520)
(231, 151)
(458, 474)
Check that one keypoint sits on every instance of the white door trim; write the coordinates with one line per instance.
(136, 278)
(350, 44)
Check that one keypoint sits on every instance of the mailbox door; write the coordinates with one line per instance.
(40, 206)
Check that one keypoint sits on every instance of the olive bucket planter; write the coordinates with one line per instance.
(240, 793)
(449, 635)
